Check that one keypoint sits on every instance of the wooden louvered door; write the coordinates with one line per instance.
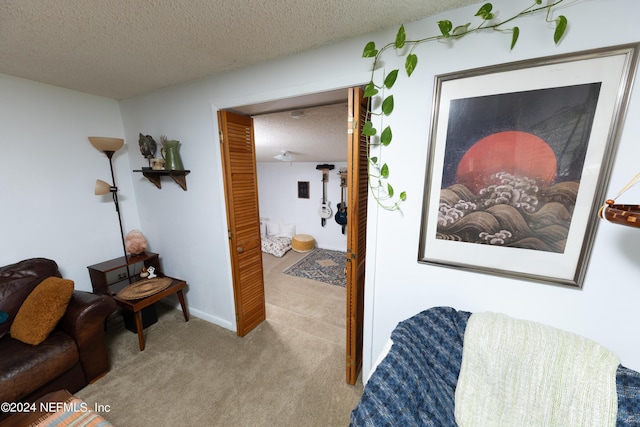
(357, 194)
(243, 218)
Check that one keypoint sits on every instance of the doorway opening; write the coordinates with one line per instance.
(238, 154)
(305, 287)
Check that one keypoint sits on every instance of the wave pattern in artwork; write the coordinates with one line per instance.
(514, 212)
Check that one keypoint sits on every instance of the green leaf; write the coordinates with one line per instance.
(484, 9)
(461, 30)
(374, 160)
(391, 79)
(368, 129)
(445, 28)
(389, 190)
(386, 136)
(411, 63)
(370, 50)
(561, 26)
(384, 172)
(370, 90)
(387, 105)
(514, 36)
(401, 38)
(485, 12)
(403, 196)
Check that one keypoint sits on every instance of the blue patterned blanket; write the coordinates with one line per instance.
(415, 384)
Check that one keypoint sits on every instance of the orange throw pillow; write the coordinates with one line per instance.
(42, 310)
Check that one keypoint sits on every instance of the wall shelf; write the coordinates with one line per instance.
(179, 176)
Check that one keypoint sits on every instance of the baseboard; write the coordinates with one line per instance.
(206, 317)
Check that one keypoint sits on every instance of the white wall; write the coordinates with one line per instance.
(278, 197)
(397, 286)
(47, 178)
(189, 226)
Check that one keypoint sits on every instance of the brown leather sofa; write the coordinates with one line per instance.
(72, 356)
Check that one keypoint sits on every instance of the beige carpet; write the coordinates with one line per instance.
(287, 372)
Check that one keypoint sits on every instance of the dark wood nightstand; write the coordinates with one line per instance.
(109, 277)
(138, 305)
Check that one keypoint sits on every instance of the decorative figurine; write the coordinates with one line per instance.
(147, 147)
(157, 164)
(151, 271)
(144, 273)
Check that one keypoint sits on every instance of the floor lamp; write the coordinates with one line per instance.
(109, 146)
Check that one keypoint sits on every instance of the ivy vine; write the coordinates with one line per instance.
(379, 172)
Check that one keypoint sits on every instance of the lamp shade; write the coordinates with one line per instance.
(102, 143)
(102, 187)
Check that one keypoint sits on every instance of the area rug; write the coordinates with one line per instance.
(322, 265)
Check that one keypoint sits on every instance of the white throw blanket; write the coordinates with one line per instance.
(520, 373)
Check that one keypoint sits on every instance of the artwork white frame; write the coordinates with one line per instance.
(489, 104)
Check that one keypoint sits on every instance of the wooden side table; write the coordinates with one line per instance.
(100, 273)
(109, 277)
(136, 306)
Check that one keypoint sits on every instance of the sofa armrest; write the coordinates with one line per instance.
(84, 321)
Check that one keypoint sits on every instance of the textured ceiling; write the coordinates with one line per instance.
(309, 135)
(123, 48)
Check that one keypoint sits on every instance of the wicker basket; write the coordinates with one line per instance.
(144, 288)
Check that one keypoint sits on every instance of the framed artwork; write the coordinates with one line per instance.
(519, 159)
(303, 189)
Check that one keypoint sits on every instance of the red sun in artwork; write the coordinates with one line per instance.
(518, 153)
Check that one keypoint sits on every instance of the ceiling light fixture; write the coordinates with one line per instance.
(284, 156)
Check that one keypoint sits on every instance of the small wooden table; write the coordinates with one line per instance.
(136, 306)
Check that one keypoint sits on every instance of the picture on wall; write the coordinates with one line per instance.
(303, 189)
(519, 159)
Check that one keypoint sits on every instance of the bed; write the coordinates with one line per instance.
(419, 381)
(276, 237)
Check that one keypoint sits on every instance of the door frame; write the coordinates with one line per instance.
(265, 106)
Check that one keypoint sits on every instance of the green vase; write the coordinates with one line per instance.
(171, 154)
